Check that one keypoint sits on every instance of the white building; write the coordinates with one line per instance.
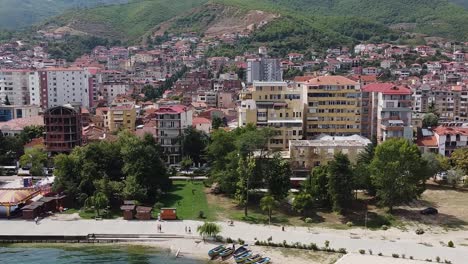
(262, 69)
(14, 84)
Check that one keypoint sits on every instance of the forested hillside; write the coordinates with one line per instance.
(15, 14)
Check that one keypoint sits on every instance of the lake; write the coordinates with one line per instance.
(85, 253)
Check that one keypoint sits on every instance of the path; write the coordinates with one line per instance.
(386, 242)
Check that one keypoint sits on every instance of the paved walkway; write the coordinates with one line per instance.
(386, 242)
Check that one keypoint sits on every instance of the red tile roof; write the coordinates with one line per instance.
(443, 130)
(386, 88)
(200, 120)
(171, 109)
(331, 80)
(427, 141)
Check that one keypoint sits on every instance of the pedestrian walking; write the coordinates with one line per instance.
(282, 228)
(189, 230)
(36, 219)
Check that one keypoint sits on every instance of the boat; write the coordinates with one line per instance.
(243, 257)
(215, 251)
(226, 252)
(263, 261)
(253, 259)
(240, 251)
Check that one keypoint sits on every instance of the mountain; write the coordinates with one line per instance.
(15, 14)
(348, 19)
(463, 3)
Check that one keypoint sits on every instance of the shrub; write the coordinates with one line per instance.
(384, 227)
(395, 255)
(158, 205)
(201, 214)
(349, 224)
(229, 240)
(342, 251)
(419, 231)
(410, 257)
(448, 261)
(308, 220)
(327, 243)
(270, 239)
(257, 243)
(450, 244)
(403, 256)
(429, 260)
(380, 254)
(362, 251)
(370, 251)
(313, 246)
(438, 259)
(241, 242)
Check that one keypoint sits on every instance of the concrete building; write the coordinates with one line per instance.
(386, 111)
(121, 117)
(264, 69)
(171, 121)
(9, 112)
(332, 106)
(60, 86)
(15, 85)
(275, 105)
(443, 139)
(63, 130)
(306, 154)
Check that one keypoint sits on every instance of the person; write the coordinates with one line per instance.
(233, 246)
(282, 228)
(189, 230)
(36, 219)
(185, 229)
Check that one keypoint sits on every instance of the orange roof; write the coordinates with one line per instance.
(200, 120)
(443, 130)
(331, 80)
(427, 141)
(302, 78)
(386, 88)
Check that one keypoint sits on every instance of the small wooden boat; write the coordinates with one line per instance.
(241, 258)
(215, 251)
(263, 261)
(226, 252)
(252, 259)
(240, 251)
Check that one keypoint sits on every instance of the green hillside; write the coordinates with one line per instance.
(15, 14)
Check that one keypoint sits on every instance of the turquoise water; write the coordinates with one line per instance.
(67, 254)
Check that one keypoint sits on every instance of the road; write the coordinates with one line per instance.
(385, 242)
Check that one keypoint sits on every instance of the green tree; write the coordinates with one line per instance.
(276, 174)
(302, 201)
(133, 190)
(209, 229)
(245, 169)
(98, 202)
(430, 120)
(317, 185)
(36, 159)
(11, 148)
(217, 122)
(435, 162)
(398, 172)
(340, 182)
(31, 132)
(460, 159)
(268, 203)
(362, 174)
(186, 163)
(194, 143)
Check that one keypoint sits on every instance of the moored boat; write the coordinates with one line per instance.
(241, 258)
(263, 261)
(215, 251)
(226, 252)
(252, 259)
(240, 251)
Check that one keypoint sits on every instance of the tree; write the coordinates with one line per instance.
(35, 159)
(268, 203)
(209, 229)
(276, 174)
(430, 120)
(245, 169)
(31, 132)
(460, 159)
(194, 144)
(186, 163)
(98, 201)
(217, 122)
(302, 201)
(398, 172)
(435, 162)
(454, 176)
(11, 148)
(318, 187)
(133, 190)
(340, 182)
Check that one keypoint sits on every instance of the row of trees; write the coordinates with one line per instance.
(242, 163)
(394, 171)
(103, 172)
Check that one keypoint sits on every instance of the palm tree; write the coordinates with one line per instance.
(267, 203)
(209, 229)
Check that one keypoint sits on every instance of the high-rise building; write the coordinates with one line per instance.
(15, 85)
(275, 105)
(62, 128)
(332, 106)
(386, 111)
(171, 121)
(60, 86)
(264, 69)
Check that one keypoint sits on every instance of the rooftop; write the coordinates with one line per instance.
(387, 88)
(20, 123)
(443, 130)
(330, 80)
(331, 141)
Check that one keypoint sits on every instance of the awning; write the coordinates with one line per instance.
(15, 196)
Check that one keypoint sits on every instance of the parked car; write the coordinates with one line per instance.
(429, 211)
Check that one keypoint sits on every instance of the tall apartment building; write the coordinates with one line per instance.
(62, 128)
(273, 104)
(14, 84)
(171, 120)
(386, 111)
(60, 86)
(264, 69)
(332, 106)
(450, 102)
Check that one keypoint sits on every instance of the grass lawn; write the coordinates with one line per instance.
(189, 198)
(90, 214)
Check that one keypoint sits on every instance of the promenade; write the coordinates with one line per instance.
(427, 246)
